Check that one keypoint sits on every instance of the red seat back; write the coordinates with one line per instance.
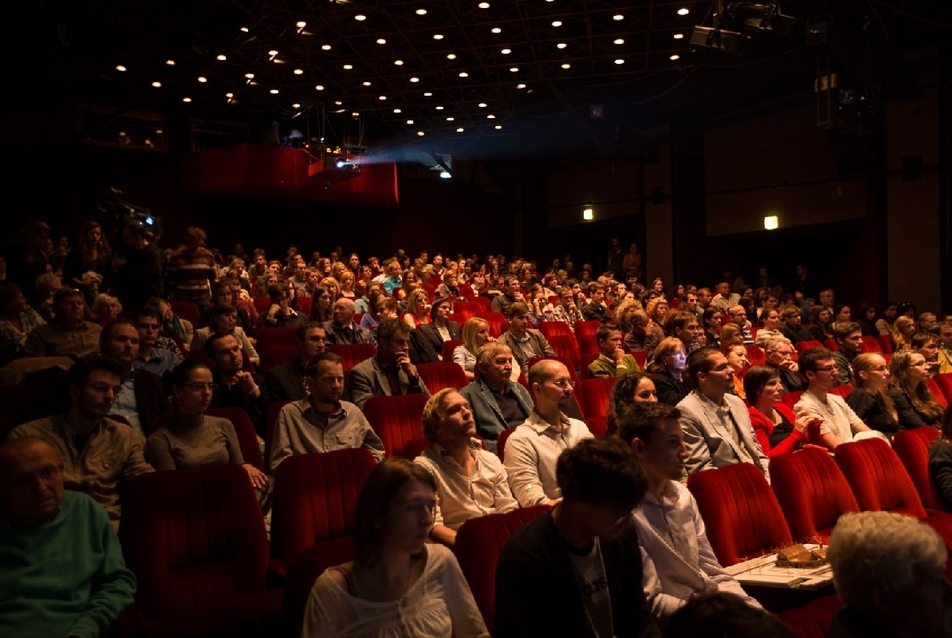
(877, 478)
(262, 304)
(501, 443)
(566, 349)
(414, 448)
(276, 337)
(790, 398)
(871, 344)
(187, 310)
(448, 348)
(806, 345)
(587, 344)
(484, 302)
(641, 358)
(594, 395)
(912, 448)
(597, 425)
(304, 304)
(352, 353)
(587, 327)
(812, 493)
(315, 497)
(274, 356)
(756, 355)
(842, 390)
(498, 325)
(478, 544)
(740, 511)
(302, 574)
(194, 539)
(944, 383)
(245, 430)
(886, 342)
(466, 309)
(443, 374)
(585, 361)
(550, 328)
(396, 420)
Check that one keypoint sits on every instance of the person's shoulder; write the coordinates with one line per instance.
(351, 410)
(120, 430)
(37, 427)
(471, 389)
(735, 402)
(365, 367)
(530, 538)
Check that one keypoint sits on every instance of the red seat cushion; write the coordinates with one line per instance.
(396, 420)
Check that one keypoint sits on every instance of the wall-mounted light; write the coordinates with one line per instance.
(771, 222)
(588, 213)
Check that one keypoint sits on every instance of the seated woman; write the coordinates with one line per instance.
(667, 370)
(870, 398)
(711, 320)
(172, 322)
(418, 310)
(867, 320)
(440, 328)
(737, 356)
(476, 334)
(375, 304)
(347, 283)
(916, 406)
(332, 287)
(17, 319)
(398, 584)
(902, 330)
(885, 323)
(777, 429)
(225, 321)
(940, 460)
(841, 314)
(191, 439)
(821, 324)
(632, 388)
(770, 322)
(105, 308)
(321, 302)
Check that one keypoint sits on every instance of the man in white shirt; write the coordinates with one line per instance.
(470, 481)
(724, 298)
(678, 560)
(840, 424)
(533, 449)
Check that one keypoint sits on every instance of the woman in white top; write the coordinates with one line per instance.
(398, 585)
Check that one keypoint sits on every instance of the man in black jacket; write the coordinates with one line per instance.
(583, 555)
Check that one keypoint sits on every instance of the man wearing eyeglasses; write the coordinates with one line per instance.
(778, 352)
(840, 424)
(41, 524)
(532, 451)
(738, 316)
(99, 455)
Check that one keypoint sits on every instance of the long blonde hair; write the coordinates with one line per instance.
(899, 340)
(470, 328)
(864, 363)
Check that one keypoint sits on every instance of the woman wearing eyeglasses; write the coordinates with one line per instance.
(870, 398)
(192, 439)
(667, 370)
(916, 406)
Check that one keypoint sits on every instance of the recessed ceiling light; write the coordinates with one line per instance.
(222, 57)
(482, 105)
(244, 29)
(490, 117)
(566, 66)
(338, 102)
(428, 94)
(450, 56)
(459, 130)
(437, 36)
(348, 67)
(355, 114)
(421, 12)
(464, 74)
(382, 97)
(250, 76)
(506, 51)
(300, 24)
(274, 91)
(398, 62)
(398, 110)
(514, 69)
(186, 99)
(439, 108)
(319, 87)
(556, 23)
(450, 118)
(409, 122)
(170, 62)
(298, 71)
(678, 36)
(675, 57)
(119, 67)
(619, 61)
(272, 52)
(229, 95)
(326, 47)
(366, 83)
(360, 17)
(683, 11)
(520, 86)
(496, 30)
(157, 85)
(295, 106)
(619, 41)
(618, 16)
(498, 127)
(420, 133)
(561, 45)
(381, 41)
(414, 79)
(483, 5)
(202, 79)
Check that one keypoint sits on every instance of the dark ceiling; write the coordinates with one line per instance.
(560, 76)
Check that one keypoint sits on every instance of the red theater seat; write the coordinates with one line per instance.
(594, 395)
(352, 353)
(877, 478)
(277, 337)
(912, 448)
(443, 374)
(497, 322)
(756, 355)
(944, 382)
(448, 348)
(396, 420)
(302, 574)
(871, 344)
(274, 356)
(550, 328)
(188, 311)
(566, 349)
(806, 345)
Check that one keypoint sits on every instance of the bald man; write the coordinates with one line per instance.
(63, 572)
(342, 328)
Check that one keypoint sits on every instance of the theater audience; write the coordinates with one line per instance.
(612, 359)
(418, 310)
(636, 387)
(100, 456)
(737, 357)
(321, 311)
(526, 343)
(902, 330)
(89, 265)
(17, 320)
(870, 399)
(280, 314)
(68, 334)
(511, 293)
(684, 326)
(63, 572)
(498, 403)
(397, 584)
(711, 318)
(192, 270)
(779, 354)
(885, 323)
(389, 372)
(158, 361)
(916, 406)
(342, 329)
(105, 308)
(224, 321)
(234, 386)
(770, 322)
(716, 424)
(286, 381)
(566, 310)
(141, 400)
(791, 327)
(173, 323)
(470, 481)
(867, 320)
(596, 309)
(821, 323)
(840, 424)
(534, 447)
(927, 344)
(667, 368)
(586, 538)
(440, 329)
(776, 427)
(849, 343)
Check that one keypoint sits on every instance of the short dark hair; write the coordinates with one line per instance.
(215, 338)
(810, 357)
(147, 311)
(314, 365)
(390, 327)
(845, 329)
(756, 380)
(677, 321)
(435, 306)
(605, 331)
(722, 614)
(623, 393)
(922, 338)
(301, 333)
(79, 374)
(643, 420)
(182, 371)
(276, 290)
(601, 471)
(223, 309)
(109, 327)
(700, 361)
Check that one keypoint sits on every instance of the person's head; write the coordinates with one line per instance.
(223, 293)
(551, 386)
(93, 382)
(105, 308)
(891, 568)
(416, 302)
(119, 341)
(344, 310)
(512, 286)
(393, 340)
(827, 297)
(309, 338)
(279, 293)
(609, 339)
(518, 315)
(475, 333)
(448, 419)
(320, 301)
(394, 511)
(926, 323)
(324, 378)
(792, 316)
(603, 479)
(841, 313)
(225, 350)
(945, 334)
(849, 337)
(192, 387)
(762, 382)
(68, 306)
(737, 315)
(683, 325)
(710, 371)
(657, 308)
(821, 316)
(819, 367)
(194, 238)
(771, 319)
(723, 615)
(597, 292)
(870, 371)
(31, 482)
(779, 352)
(12, 300)
(736, 356)
(634, 387)
(926, 344)
(711, 318)
(91, 237)
(903, 329)
(494, 361)
(148, 322)
(654, 434)
(441, 309)
(691, 302)
(670, 355)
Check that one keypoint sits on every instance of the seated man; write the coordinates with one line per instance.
(890, 572)
(99, 455)
(280, 314)
(68, 334)
(389, 372)
(724, 299)
(791, 326)
(141, 400)
(235, 387)
(576, 570)
(63, 572)
(286, 382)
(685, 326)
(926, 344)
(322, 422)
(738, 316)
(342, 328)
(158, 361)
(612, 359)
(716, 424)
(470, 482)
(680, 562)
(525, 342)
(566, 310)
(840, 424)
(510, 295)
(596, 309)
(497, 402)
(533, 449)
(225, 321)
(849, 341)
(778, 353)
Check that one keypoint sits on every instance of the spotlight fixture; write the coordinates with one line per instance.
(398, 62)
(221, 57)
(298, 71)
(157, 85)
(170, 62)
(381, 41)
(300, 24)
(420, 133)
(496, 30)
(186, 99)
(319, 87)
(588, 213)
(360, 17)
(120, 68)
(683, 11)
(202, 79)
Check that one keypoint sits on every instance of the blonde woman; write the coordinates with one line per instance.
(347, 283)
(870, 398)
(332, 286)
(418, 308)
(902, 330)
(476, 334)
(667, 370)
(105, 308)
